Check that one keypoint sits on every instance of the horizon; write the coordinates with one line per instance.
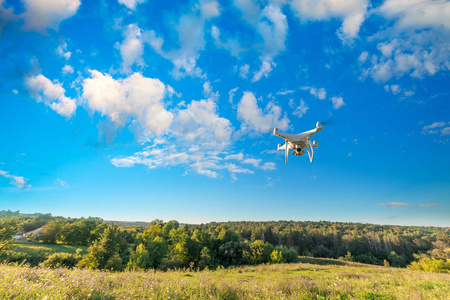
(135, 109)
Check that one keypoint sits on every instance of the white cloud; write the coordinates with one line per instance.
(418, 43)
(268, 166)
(445, 131)
(238, 156)
(190, 29)
(394, 204)
(434, 128)
(231, 94)
(199, 124)
(319, 93)
(254, 118)
(352, 12)
(52, 94)
(243, 71)
(252, 161)
(15, 92)
(266, 68)
(285, 92)
(132, 48)
(363, 57)
(417, 13)
(271, 24)
(131, 4)
(42, 14)
(337, 102)
(133, 98)
(301, 109)
(67, 69)
(62, 51)
(19, 181)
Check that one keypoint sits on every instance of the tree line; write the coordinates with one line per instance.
(169, 245)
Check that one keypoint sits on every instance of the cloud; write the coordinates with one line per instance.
(285, 92)
(61, 182)
(62, 51)
(195, 160)
(301, 109)
(52, 94)
(238, 156)
(231, 94)
(429, 204)
(271, 24)
(268, 166)
(19, 181)
(394, 204)
(418, 42)
(133, 98)
(416, 55)
(132, 48)
(131, 4)
(417, 13)
(243, 71)
(266, 68)
(67, 69)
(433, 128)
(352, 12)
(319, 93)
(42, 14)
(337, 102)
(199, 124)
(252, 161)
(255, 119)
(190, 30)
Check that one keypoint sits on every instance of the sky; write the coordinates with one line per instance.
(144, 109)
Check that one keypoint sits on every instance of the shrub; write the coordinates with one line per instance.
(61, 259)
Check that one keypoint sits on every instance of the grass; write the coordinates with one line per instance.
(28, 247)
(288, 281)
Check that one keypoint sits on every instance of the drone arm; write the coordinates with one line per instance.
(310, 149)
(286, 153)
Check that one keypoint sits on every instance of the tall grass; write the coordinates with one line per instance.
(288, 281)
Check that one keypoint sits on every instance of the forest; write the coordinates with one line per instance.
(169, 245)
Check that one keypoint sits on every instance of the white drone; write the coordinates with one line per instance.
(299, 141)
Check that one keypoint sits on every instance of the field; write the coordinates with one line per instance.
(285, 281)
(36, 253)
(27, 247)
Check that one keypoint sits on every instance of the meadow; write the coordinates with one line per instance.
(325, 280)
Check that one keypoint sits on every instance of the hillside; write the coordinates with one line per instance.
(286, 281)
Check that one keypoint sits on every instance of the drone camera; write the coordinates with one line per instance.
(275, 130)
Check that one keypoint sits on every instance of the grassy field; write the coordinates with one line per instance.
(36, 253)
(288, 281)
(27, 247)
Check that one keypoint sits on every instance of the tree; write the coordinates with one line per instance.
(140, 259)
(8, 228)
(107, 253)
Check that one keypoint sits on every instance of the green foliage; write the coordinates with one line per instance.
(431, 264)
(61, 259)
(276, 257)
(140, 259)
(8, 228)
(107, 253)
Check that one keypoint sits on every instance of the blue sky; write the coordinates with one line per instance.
(142, 109)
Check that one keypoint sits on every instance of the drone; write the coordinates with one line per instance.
(299, 141)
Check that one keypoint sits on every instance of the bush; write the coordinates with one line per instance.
(61, 259)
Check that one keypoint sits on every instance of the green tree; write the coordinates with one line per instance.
(8, 228)
(107, 253)
(140, 259)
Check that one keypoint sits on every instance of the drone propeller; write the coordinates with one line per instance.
(286, 148)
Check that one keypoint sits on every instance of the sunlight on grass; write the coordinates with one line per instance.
(288, 281)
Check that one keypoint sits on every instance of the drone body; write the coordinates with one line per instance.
(297, 142)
